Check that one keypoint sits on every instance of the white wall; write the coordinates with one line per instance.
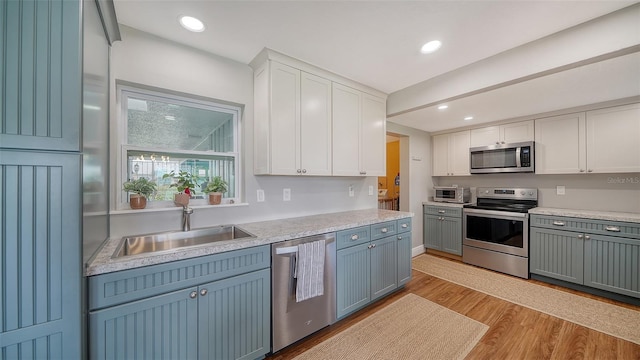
(415, 160)
(145, 59)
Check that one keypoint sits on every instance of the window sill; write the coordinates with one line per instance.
(172, 208)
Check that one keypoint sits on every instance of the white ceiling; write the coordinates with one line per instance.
(376, 43)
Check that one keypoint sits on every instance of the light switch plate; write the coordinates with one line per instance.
(560, 190)
(286, 194)
(351, 192)
(370, 190)
(260, 195)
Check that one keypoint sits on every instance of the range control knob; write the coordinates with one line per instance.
(522, 192)
(530, 193)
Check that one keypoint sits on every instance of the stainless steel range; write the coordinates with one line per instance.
(496, 230)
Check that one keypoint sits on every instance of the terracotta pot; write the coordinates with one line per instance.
(137, 201)
(215, 198)
(181, 199)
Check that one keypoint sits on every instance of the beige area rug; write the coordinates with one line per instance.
(409, 328)
(607, 318)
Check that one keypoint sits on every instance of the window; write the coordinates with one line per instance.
(163, 132)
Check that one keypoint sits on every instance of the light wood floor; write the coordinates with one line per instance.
(515, 332)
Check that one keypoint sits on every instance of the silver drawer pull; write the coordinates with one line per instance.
(404, 226)
(399, 237)
(441, 211)
(383, 230)
(612, 228)
(587, 237)
(193, 294)
(354, 237)
(558, 223)
(203, 292)
(580, 236)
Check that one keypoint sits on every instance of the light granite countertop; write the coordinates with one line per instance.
(445, 204)
(588, 214)
(266, 232)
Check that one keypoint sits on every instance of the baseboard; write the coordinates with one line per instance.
(417, 251)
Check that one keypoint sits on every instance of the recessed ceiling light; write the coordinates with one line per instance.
(469, 118)
(430, 47)
(442, 107)
(192, 24)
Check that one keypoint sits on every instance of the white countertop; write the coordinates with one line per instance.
(266, 232)
(588, 214)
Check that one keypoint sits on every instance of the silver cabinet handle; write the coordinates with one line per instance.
(587, 237)
(612, 228)
(404, 226)
(580, 236)
(363, 173)
(558, 223)
(203, 292)
(399, 237)
(354, 237)
(590, 170)
(384, 230)
(298, 171)
(581, 170)
(497, 142)
(193, 294)
(304, 171)
(373, 245)
(441, 211)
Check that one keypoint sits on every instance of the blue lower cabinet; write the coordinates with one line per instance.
(557, 254)
(371, 270)
(612, 264)
(404, 257)
(227, 318)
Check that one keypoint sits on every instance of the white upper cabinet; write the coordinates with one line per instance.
(613, 139)
(560, 144)
(451, 154)
(292, 122)
(503, 134)
(359, 131)
(599, 141)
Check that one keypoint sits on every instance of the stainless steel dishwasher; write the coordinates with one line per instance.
(293, 320)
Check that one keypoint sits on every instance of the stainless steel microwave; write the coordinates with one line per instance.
(503, 158)
(452, 194)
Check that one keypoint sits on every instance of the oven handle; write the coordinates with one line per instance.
(496, 214)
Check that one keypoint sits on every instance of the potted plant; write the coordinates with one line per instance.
(139, 189)
(215, 188)
(185, 184)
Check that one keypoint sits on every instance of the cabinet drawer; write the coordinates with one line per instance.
(610, 228)
(443, 211)
(404, 225)
(351, 237)
(384, 229)
(129, 285)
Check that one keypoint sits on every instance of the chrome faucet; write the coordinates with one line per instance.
(186, 218)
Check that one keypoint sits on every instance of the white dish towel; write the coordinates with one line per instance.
(310, 270)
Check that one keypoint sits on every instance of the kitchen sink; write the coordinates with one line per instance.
(140, 244)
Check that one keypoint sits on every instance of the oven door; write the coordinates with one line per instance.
(501, 231)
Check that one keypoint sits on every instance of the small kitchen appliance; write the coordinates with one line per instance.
(452, 194)
(502, 158)
(496, 230)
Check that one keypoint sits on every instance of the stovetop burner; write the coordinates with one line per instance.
(505, 199)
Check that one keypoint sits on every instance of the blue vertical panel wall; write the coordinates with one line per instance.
(40, 87)
(40, 255)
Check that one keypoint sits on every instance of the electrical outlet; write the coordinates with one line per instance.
(351, 192)
(370, 190)
(260, 195)
(559, 190)
(286, 194)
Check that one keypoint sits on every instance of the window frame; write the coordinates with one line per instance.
(123, 92)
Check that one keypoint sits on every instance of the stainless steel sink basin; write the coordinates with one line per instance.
(133, 245)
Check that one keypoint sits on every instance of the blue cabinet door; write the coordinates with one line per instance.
(353, 279)
(431, 232)
(557, 254)
(404, 257)
(451, 234)
(40, 90)
(161, 327)
(40, 259)
(613, 264)
(384, 266)
(235, 317)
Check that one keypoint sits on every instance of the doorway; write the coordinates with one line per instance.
(389, 185)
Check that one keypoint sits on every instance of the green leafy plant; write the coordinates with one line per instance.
(140, 186)
(216, 184)
(185, 181)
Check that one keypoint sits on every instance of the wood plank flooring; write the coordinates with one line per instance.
(515, 332)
